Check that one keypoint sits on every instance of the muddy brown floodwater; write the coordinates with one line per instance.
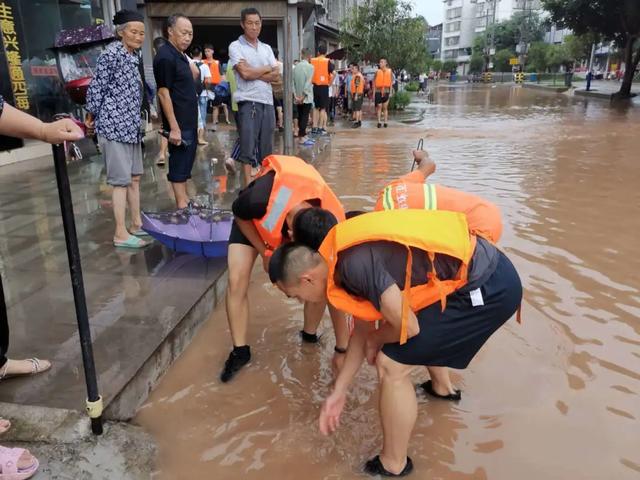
(557, 397)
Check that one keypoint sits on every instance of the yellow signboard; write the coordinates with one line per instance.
(513, 61)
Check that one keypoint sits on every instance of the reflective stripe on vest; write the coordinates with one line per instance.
(280, 203)
(391, 203)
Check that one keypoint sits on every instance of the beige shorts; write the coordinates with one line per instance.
(123, 161)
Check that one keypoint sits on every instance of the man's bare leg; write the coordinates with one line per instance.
(313, 312)
(379, 112)
(133, 197)
(316, 117)
(441, 381)
(398, 411)
(180, 193)
(240, 260)
(385, 108)
(119, 199)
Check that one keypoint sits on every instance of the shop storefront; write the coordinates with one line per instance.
(28, 74)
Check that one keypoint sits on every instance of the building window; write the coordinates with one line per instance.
(453, 26)
(451, 41)
(454, 13)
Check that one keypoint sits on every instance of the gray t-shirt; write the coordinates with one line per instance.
(368, 269)
(260, 56)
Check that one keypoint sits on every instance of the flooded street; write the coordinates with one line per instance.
(557, 397)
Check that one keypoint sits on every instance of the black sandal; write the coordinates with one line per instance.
(375, 467)
(428, 387)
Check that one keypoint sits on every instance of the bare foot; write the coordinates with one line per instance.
(25, 461)
(5, 425)
(24, 367)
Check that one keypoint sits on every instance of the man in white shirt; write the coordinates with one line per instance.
(203, 97)
(256, 68)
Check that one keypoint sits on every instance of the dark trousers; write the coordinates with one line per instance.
(4, 328)
(256, 124)
(303, 118)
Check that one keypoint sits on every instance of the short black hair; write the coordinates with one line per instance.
(158, 42)
(322, 49)
(249, 11)
(276, 262)
(311, 226)
(276, 52)
(173, 19)
(196, 51)
(208, 45)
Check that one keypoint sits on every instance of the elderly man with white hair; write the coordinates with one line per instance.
(114, 103)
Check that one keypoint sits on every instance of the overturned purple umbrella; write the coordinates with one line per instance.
(198, 231)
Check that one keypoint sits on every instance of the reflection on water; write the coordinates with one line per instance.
(557, 397)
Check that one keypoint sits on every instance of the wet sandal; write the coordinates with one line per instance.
(131, 242)
(37, 366)
(9, 458)
(428, 387)
(375, 467)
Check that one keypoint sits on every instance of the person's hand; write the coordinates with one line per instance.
(175, 136)
(90, 125)
(64, 130)
(265, 262)
(424, 162)
(372, 349)
(337, 363)
(331, 411)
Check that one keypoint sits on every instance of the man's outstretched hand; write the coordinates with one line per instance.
(425, 164)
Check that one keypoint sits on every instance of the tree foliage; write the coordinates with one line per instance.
(387, 29)
(501, 60)
(508, 33)
(537, 58)
(476, 64)
(615, 20)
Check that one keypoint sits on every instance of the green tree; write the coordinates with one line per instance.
(449, 66)
(579, 46)
(386, 29)
(616, 20)
(537, 58)
(436, 65)
(501, 60)
(558, 55)
(476, 64)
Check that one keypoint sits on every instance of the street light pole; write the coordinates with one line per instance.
(94, 400)
(288, 83)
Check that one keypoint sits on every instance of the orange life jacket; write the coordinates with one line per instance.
(320, 70)
(214, 66)
(383, 79)
(359, 88)
(295, 182)
(436, 232)
(410, 191)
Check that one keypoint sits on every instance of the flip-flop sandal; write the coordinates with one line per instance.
(36, 367)
(131, 242)
(375, 467)
(428, 387)
(9, 464)
(140, 233)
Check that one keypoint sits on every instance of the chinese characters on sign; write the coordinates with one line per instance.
(14, 58)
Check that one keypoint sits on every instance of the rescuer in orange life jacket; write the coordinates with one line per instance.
(439, 290)
(263, 215)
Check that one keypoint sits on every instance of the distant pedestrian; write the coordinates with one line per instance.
(256, 69)
(114, 102)
(203, 89)
(303, 95)
(382, 86)
(334, 91)
(216, 78)
(356, 90)
(278, 93)
(322, 70)
(176, 78)
(161, 159)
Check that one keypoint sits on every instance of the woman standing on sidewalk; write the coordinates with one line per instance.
(18, 462)
(114, 100)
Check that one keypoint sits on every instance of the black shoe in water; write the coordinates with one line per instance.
(375, 467)
(309, 337)
(385, 125)
(238, 358)
(379, 125)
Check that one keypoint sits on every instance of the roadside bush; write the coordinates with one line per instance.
(399, 101)
(412, 86)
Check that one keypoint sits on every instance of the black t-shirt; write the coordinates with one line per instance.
(172, 71)
(252, 201)
(368, 269)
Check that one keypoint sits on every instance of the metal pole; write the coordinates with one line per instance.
(94, 400)
(593, 51)
(288, 84)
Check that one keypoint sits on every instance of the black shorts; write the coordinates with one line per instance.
(181, 158)
(381, 98)
(321, 96)
(356, 105)
(277, 102)
(453, 337)
(236, 236)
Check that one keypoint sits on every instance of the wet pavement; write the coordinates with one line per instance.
(135, 298)
(556, 397)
